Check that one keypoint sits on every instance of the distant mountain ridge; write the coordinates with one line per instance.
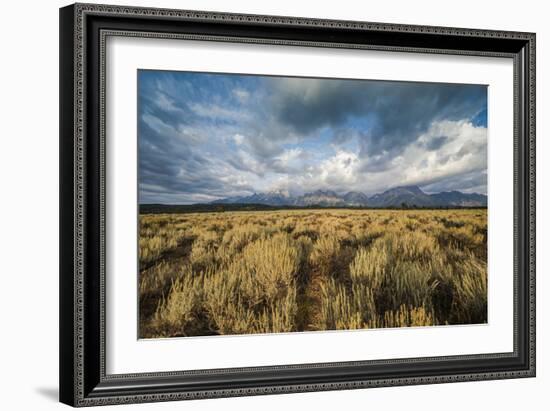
(404, 196)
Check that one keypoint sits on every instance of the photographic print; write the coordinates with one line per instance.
(272, 204)
(240, 194)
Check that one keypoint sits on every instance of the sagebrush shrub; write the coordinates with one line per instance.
(300, 270)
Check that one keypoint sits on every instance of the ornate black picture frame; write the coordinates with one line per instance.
(83, 31)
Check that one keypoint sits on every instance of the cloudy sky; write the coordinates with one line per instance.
(204, 136)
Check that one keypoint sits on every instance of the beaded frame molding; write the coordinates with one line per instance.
(84, 29)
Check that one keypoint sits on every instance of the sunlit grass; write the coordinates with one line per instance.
(304, 270)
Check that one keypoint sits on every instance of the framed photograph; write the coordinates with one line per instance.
(261, 204)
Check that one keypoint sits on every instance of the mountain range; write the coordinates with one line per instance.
(405, 196)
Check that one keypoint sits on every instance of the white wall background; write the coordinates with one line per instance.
(29, 204)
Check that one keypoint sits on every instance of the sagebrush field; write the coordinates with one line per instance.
(307, 270)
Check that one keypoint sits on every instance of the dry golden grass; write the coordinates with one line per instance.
(305, 270)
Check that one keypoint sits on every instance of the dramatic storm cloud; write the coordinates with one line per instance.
(204, 137)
